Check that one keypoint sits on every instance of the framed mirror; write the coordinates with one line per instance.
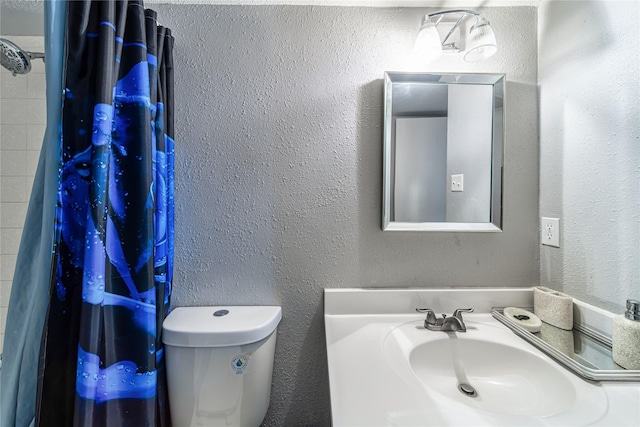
(443, 152)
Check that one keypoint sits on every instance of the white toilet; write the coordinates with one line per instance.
(219, 364)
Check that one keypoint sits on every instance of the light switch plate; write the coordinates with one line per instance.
(550, 231)
(457, 182)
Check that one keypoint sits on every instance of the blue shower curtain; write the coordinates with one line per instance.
(101, 359)
(30, 289)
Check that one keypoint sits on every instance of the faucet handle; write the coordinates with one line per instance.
(458, 313)
(431, 316)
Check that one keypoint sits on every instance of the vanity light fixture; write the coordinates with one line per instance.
(476, 42)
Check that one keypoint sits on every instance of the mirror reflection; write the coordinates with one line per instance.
(443, 151)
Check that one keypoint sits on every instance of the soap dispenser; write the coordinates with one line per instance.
(626, 337)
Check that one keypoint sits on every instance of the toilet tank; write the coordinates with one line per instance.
(220, 364)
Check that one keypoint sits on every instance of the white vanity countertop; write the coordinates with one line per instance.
(368, 390)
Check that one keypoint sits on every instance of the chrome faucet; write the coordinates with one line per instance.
(445, 324)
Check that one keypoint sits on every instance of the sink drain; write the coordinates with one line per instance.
(467, 390)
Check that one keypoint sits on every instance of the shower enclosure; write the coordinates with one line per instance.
(22, 125)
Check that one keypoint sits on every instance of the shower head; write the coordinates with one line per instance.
(16, 60)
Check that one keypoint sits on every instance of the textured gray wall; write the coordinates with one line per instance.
(22, 17)
(590, 148)
(279, 164)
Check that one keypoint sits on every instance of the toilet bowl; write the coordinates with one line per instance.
(220, 364)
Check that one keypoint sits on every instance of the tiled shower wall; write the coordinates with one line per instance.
(22, 124)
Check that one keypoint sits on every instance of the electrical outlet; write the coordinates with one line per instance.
(550, 231)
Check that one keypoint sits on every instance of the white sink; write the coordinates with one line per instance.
(386, 369)
(508, 376)
(493, 377)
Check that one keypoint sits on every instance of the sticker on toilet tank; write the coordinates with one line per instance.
(239, 363)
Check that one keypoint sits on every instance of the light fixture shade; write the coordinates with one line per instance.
(428, 45)
(481, 43)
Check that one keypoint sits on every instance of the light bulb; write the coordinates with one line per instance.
(481, 43)
(427, 44)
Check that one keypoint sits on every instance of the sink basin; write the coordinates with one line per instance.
(505, 379)
(486, 369)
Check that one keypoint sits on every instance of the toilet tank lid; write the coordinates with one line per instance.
(219, 326)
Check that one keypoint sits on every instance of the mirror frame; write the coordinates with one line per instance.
(498, 81)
